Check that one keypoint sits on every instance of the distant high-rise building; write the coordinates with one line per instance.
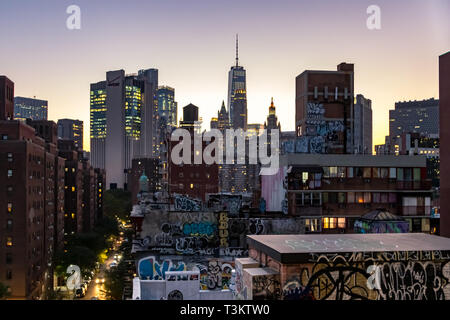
(214, 124)
(69, 129)
(444, 108)
(362, 125)
(28, 108)
(222, 121)
(323, 114)
(167, 106)
(237, 94)
(414, 117)
(126, 105)
(272, 119)
(98, 124)
(150, 136)
(420, 117)
(6, 99)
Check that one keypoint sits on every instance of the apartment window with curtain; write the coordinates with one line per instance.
(392, 173)
(400, 174)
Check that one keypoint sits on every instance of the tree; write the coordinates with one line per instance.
(117, 202)
(4, 293)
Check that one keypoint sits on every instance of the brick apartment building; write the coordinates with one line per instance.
(324, 104)
(48, 190)
(335, 267)
(194, 180)
(332, 191)
(444, 114)
(28, 210)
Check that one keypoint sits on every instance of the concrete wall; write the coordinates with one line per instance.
(208, 233)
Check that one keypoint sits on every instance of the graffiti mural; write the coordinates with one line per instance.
(223, 230)
(266, 288)
(150, 269)
(413, 281)
(184, 203)
(225, 202)
(199, 229)
(216, 275)
(336, 276)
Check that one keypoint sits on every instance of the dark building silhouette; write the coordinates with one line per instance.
(444, 111)
(69, 129)
(150, 167)
(6, 98)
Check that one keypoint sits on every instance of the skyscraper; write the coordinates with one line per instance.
(272, 119)
(362, 131)
(150, 142)
(28, 108)
(69, 129)
(167, 106)
(122, 122)
(237, 94)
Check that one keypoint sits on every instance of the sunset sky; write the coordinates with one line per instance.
(192, 43)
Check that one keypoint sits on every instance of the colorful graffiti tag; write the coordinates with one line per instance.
(150, 269)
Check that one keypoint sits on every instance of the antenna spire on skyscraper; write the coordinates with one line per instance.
(237, 50)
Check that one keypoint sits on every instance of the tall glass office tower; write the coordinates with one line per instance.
(119, 126)
(237, 94)
(167, 106)
(28, 108)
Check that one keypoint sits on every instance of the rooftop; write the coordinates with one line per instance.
(298, 248)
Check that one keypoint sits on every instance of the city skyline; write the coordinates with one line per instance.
(413, 34)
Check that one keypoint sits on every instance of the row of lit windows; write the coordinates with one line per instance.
(402, 174)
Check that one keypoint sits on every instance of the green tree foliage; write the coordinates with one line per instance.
(117, 203)
(83, 249)
(3, 291)
(115, 277)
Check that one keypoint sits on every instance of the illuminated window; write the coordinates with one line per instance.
(73, 215)
(341, 223)
(73, 189)
(326, 223)
(10, 207)
(304, 177)
(192, 186)
(333, 223)
(9, 241)
(10, 173)
(359, 197)
(333, 172)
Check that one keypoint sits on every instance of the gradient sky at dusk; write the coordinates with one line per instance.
(192, 42)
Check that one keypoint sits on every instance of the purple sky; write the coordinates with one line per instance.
(191, 42)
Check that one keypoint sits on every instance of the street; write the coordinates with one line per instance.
(97, 290)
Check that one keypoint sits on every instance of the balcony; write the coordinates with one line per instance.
(416, 210)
